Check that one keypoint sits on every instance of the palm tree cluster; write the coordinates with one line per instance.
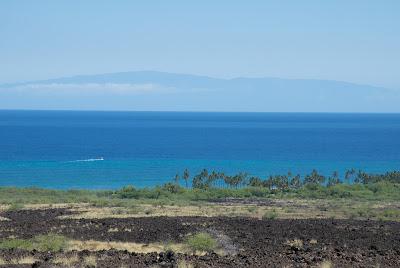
(207, 180)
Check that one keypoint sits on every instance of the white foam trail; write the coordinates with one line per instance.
(88, 160)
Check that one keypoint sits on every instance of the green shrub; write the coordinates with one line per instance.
(172, 193)
(391, 213)
(201, 242)
(16, 243)
(127, 192)
(48, 242)
(15, 206)
(252, 209)
(270, 215)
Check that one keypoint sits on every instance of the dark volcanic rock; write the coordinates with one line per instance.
(249, 242)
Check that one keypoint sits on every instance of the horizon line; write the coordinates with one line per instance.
(189, 111)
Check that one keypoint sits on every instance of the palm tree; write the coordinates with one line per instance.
(349, 173)
(186, 176)
(221, 179)
(176, 179)
(362, 177)
(314, 178)
(334, 179)
(204, 173)
(255, 182)
(236, 180)
(228, 181)
(212, 178)
(197, 182)
(201, 180)
(295, 182)
(242, 178)
(269, 183)
(284, 182)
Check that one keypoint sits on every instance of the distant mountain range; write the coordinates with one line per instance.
(160, 91)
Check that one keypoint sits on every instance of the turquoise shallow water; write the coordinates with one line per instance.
(98, 150)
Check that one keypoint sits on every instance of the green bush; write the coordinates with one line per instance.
(48, 242)
(172, 193)
(15, 206)
(127, 192)
(270, 215)
(201, 242)
(391, 213)
(16, 244)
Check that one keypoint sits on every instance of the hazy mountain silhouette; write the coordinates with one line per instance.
(150, 90)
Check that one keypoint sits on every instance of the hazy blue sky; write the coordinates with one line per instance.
(349, 40)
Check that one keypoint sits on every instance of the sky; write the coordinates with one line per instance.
(347, 40)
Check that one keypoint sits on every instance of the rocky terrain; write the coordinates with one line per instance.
(242, 242)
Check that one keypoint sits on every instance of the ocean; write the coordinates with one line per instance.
(107, 150)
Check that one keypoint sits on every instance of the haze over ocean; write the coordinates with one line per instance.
(93, 150)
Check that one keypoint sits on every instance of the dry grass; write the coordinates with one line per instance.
(145, 210)
(93, 245)
(283, 208)
(23, 260)
(295, 243)
(57, 205)
(90, 261)
(113, 230)
(67, 261)
(184, 264)
(210, 210)
(326, 264)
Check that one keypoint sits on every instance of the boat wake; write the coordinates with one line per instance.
(88, 160)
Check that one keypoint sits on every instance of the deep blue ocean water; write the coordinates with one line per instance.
(97, 150)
